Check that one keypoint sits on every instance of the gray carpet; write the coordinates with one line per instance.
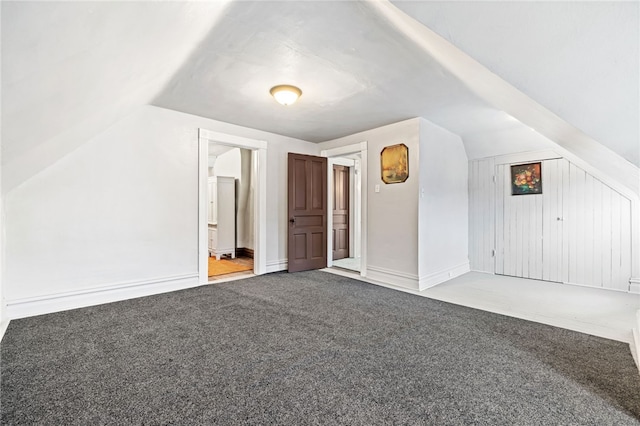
(307, 348)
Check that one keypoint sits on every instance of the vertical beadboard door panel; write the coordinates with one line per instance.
(501, 211)
(483, 177)
(557, 223)
(588, 231)
(481, 215)
(488, 224)
(564, 267)
(522, 224)
(596, 269)
(519, 230)
(616, 273)
(474, 231)
(536, 271)
(605, 243)
(552, 220)
(580, 188)
(625, 244)
(572, 223)
(511, 248)
(599, 239)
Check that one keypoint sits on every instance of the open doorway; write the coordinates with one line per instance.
(346, 240)
(232, 205)
(346, 212)
(230, 211)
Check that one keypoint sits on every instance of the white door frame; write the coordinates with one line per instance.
(259, 177)
(360, 148)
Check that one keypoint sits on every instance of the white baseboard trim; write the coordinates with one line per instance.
(443, 275)
(635, 344)
(634, 285)
(27, 307)
(3, 327)
(277, 265)
(392, 277)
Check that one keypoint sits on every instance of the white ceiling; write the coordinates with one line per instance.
(357, 72)
(69, 69)
(581, 60)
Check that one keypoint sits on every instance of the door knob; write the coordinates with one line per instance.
(292, 220)
(559, 219)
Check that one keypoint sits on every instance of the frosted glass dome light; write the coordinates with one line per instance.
(285, 94)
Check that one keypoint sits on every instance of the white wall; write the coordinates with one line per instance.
(228, 164)
(482, 215)
(3, 320)
(121, 211)
(443, 206)
(244, 193)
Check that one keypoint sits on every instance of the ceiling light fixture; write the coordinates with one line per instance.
(285, 94)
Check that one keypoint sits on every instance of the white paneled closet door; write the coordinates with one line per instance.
(577, 231)
(529, 228)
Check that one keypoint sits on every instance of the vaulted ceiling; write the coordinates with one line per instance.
(505, 76)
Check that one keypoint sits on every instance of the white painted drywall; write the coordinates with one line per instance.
(443, 206)
(3, 324)
(237, 163)
(123, 207)
(245, 191)
(228, 164)
(119, 208)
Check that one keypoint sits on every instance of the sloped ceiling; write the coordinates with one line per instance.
(581, 60)
(69, 69)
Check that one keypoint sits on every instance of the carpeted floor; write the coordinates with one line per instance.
(308, 348)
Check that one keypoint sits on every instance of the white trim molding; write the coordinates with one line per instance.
(231, 140)
(393, 277)
(30, 306)
(635, 344)
(634, 285)
(4, 324)
(443, 275)
(277, 265)
(524, 157)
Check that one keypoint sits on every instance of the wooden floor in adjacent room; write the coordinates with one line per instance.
(227, 267)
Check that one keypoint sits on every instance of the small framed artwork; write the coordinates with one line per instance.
(394, 163)
(526, 179)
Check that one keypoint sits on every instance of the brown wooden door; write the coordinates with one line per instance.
(340, 212)
(307, 212)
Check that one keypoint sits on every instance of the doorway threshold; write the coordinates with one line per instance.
(349, 273)
(230, 277)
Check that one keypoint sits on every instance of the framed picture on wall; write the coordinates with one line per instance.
(394, 163)
(526, 179)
